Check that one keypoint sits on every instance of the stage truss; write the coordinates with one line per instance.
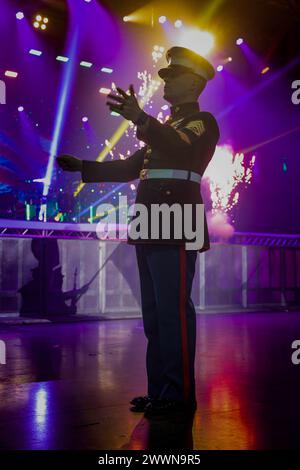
(33, 229)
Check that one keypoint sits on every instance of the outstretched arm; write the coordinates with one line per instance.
(113, 171)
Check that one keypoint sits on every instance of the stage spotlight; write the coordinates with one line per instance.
(220, 68)
(106, 70)
(198, 41)
(61, 58)
(20, 109)
(265, 70)
(85, 119)
(227, 60)
(125, 18)
(178, 24)
(20, 15)
(239, 41)
(10, 73)
(105, 91)
(35, 52)
(162, 19)
(41, 22)
(88, 65)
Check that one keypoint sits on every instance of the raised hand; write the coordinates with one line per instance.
(126, 105)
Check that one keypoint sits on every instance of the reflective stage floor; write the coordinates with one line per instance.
(68, 386)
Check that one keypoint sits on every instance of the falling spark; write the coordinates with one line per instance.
(227, 172)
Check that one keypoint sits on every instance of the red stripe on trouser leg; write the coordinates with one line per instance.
(183, 324)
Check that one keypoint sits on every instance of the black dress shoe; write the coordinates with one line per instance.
(164, 407)
(140, 403)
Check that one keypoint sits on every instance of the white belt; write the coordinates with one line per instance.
(148, 173)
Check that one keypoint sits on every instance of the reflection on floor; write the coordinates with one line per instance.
(68, 386)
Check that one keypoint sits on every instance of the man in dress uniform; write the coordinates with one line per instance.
(169, 168)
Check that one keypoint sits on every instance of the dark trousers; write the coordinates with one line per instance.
(169, 318)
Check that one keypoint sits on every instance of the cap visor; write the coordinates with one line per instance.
(175, 68)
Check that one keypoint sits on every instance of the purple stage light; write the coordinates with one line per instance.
(220, 68)
(239, 41)
(85, 119)
(162, 19)
(20, 15)
(20, 109)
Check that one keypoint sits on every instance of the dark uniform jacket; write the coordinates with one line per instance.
(187, 141)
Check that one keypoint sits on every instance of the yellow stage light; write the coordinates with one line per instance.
(265, 70)
(40, 22)
(199, 41)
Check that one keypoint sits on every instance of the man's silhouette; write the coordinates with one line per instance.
(170, 167)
